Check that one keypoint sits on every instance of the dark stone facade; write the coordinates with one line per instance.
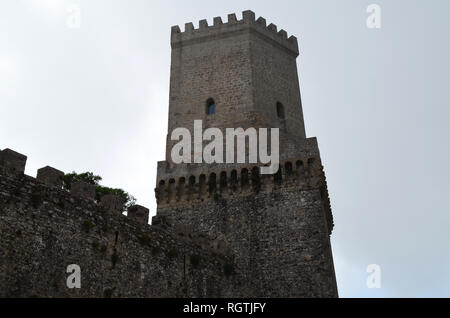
(277, 226)
(44, 229)
(221, 230)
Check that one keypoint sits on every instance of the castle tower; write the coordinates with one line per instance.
(243, 73)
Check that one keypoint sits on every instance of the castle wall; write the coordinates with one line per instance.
(280, 241)
(43, 229)
(278, 226)
(221, 230)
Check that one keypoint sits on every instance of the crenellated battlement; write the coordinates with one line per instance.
(222, 229)
(242, 180)
(233, 26)
(13, 164)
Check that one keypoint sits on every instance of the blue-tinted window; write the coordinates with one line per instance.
(210, 107)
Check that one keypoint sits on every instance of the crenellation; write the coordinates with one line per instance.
(203, 24)
(218, 28)
(261, 21)
(304, 172)
(283, 34)
(175, 29)
(53, 179)
(12, 162)
(138, 213)
(293, 40)
(189, 27)
(272, 27)
(83, 190)
(217, 21)
(248, 16)
(50, 176)
(113, 203)
(232, 18)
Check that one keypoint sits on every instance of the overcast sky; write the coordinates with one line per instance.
(95, 98)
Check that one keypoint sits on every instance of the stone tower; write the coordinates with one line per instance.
(277, 226)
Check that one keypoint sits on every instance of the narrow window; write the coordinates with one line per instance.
(288, 167)
(212, 183)
(210, 107)
(280, 110)
(223, 181)
(234, 178)
(244, 177)
(116, 238)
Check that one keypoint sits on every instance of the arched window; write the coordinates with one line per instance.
(280, 110)
(223, 181)
(212, 183)
(244, 177)
(210, 107)
(234, 178)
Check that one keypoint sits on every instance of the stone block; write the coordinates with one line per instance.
(50, 176)
(139, 213)
(12, 162)
(113, 203)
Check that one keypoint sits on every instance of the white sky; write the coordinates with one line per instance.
(96, 99)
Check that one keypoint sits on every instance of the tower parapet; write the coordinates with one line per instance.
(50, 176)
(233, 26)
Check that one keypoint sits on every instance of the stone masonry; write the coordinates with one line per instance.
(44, 228)
(222, 229)
(277, 226)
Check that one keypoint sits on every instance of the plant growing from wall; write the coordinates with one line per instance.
(100, 190)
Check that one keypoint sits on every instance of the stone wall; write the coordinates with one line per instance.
(43, 229)
(245, 66)
(220, 229)
(277, 226)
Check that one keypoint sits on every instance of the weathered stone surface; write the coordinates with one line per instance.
(50, 176)
(44, 229)
(12, 162)
(113, 203)
(278, 226)
(138, 213)
(221, 230)
(83, 189)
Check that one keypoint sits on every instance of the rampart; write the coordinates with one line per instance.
(44, 228)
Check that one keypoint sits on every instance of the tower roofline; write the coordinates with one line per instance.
(233, 26)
